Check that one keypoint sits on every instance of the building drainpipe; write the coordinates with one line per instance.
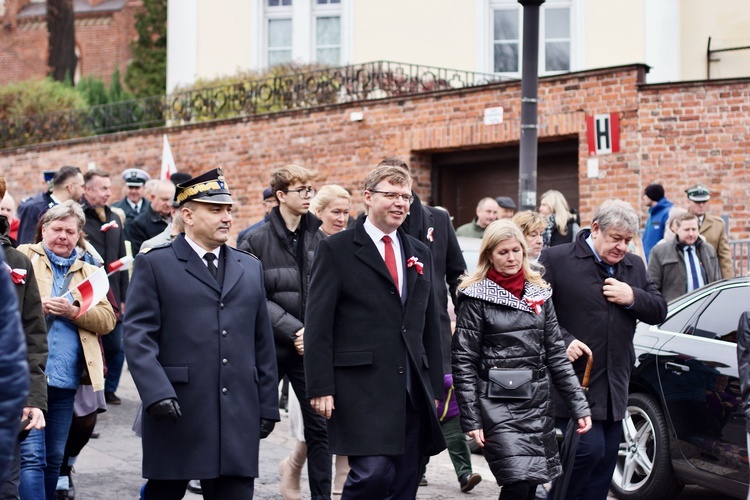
(529, 93)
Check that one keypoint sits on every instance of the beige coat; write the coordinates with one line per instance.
(99, 319)
(713, 231)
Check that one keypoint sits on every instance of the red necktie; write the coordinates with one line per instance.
(390, 260)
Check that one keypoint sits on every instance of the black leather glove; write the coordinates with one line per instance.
(266, 427)
(165, 409)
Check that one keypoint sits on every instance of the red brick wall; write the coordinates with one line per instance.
(700, 132)
(652, 148)
(102, 39)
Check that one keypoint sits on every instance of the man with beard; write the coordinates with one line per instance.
(67, 184)
(203, 361)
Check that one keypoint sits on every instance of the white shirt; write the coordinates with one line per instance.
(201, 251)
(135, 206)
(377, 238)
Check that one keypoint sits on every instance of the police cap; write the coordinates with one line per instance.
(135, 177)
(210, 187)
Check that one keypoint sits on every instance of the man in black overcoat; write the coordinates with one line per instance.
(155, 218)
(200, 348)
(104, 230)
(432, 226)
(372, 344)
(600, 290)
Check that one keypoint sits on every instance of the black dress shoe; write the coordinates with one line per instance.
(112, 399)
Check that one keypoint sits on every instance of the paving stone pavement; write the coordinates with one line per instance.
(109, 467)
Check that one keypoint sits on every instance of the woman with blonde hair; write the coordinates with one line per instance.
(331, 205)
(562, 224)
(532, 225)
(507, 353)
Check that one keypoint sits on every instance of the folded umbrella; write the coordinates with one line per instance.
(570, 443)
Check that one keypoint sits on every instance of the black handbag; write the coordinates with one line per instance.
(509, 383)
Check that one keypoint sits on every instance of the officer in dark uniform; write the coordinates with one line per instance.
(199, 345)
(134, 202)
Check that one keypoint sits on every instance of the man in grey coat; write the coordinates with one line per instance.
(200, 348)
(685, 264)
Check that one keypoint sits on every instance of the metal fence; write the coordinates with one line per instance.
(741, 257)
(360, 82)
(731, 62)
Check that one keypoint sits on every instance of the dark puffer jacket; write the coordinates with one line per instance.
(495, 329)
(32, 318)
(286, 287)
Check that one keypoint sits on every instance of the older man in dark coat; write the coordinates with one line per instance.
(203, 360)
(372, 345)
(600, 291)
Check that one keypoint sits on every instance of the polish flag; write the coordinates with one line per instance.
(109, 225)
(120, 265)
(92, 290)
(168, 166)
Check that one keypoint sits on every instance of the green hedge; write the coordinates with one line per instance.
(37, 97)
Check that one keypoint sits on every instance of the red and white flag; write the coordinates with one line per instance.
(120, 265)
(109, 225)
(168, 166)
(92, 290)
(17, 275)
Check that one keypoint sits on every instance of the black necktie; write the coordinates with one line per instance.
(210, 258)
(693, 270)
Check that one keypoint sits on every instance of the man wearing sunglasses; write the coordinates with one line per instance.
(285, 247)
(711, 228)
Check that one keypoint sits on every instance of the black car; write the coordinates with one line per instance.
(685, 423)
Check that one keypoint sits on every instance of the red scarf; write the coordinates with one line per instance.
(514, 284)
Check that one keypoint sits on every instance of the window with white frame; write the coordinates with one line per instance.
(327, 34)
(304, 31)
(555, 43)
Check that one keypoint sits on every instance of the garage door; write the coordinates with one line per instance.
(462, 178)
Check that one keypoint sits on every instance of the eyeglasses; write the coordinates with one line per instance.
(407, 198)
(303, 192)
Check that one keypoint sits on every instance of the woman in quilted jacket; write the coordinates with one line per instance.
(507, 354)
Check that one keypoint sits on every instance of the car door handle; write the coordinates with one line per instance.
(676, 367)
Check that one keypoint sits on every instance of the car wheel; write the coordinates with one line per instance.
(644, 467)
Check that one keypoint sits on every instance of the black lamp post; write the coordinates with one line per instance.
(529, 93)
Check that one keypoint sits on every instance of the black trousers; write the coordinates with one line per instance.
(319, 468)
(220, 488)
(522, 490)
(390, 477)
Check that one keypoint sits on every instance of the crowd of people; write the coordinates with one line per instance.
(353, 310)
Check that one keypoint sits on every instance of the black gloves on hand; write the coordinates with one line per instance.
(266, 426)
(165, 409)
